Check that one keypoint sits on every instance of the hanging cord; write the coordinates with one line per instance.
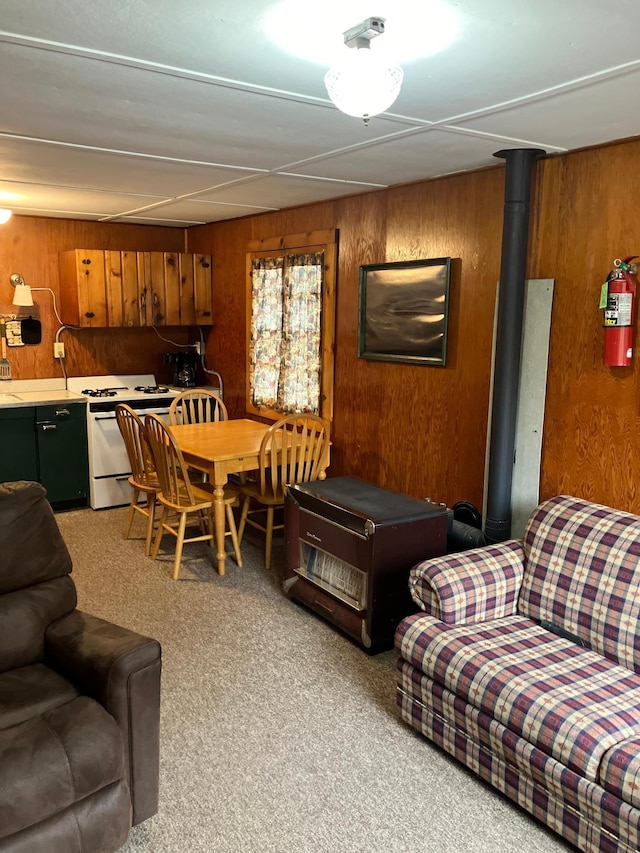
(202, 354)
(204, 366)
(173, 343)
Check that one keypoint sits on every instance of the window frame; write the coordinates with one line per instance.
(306, 243)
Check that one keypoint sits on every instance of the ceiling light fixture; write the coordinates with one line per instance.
(363, 84)
(5, 215)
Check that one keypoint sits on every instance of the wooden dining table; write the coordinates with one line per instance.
(220, 449)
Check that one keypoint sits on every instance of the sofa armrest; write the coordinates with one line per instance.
(121, 670)
(470, 586)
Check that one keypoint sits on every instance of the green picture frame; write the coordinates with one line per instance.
(404, 311)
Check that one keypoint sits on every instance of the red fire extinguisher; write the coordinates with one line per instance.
(618, 300)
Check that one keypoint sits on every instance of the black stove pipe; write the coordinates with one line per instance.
(506, 376)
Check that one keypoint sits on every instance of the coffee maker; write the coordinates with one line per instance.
(184, 366)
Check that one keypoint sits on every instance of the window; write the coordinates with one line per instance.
(291, 287)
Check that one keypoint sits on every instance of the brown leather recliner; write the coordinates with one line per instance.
(79, 699)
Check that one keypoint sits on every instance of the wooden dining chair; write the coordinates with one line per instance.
(143, 477)
(180, 497)
(293, 450)
(196, 406)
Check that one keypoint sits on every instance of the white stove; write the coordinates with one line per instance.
(120, 389)
(109, 468)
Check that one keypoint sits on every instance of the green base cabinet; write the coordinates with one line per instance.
(18, 457)
(47, 444)
(63, 462)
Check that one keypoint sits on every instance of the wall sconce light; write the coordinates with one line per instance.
(22, 296)
(363, 84)
(5, 215)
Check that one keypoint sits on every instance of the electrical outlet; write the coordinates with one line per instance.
(58, 350)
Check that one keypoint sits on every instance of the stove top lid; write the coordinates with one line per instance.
(118, 382)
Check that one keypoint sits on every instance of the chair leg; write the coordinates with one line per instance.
(234, 534)
(151, 509)
(131, 513)
(243, 518)
(267, 544)
(179, 544)
(156, 544)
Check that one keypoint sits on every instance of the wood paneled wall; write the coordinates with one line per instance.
(420, 430)
(417, 429)
(585, 217)
(30, 246)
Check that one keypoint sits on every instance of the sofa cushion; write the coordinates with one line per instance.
(582, 575)
(49, 762)
(568, 701)
(30, 691)
(620, 771)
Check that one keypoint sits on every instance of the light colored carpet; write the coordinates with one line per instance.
(278, 734)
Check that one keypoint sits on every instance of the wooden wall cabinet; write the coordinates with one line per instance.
(115, 289)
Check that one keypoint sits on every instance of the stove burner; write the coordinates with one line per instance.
(99, 392)
(152, 389)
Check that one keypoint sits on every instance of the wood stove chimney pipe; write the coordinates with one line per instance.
(506, 376)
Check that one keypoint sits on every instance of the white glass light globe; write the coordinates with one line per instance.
(5, 215)
(363, 84)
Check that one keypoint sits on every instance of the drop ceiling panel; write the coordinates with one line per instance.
(499, 52)
(216, 90)
(36, 162)
(70, 201)
(276, 191)
(196, 212)
(88, 102)
(570, 118)
(410, 158)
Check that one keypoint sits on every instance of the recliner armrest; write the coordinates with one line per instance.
(121, 670)
(470, 586)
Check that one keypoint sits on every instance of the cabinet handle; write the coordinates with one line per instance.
(44, 427)
(86, 261)
(89, 314)
(60, 413)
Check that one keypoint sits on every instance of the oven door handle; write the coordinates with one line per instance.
(141, 414)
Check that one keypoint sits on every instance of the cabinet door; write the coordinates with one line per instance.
(131, 307)
(113, 285)
(63, 458)
(83, 295)
(19, 460)
(151, 287)
(202, 289)
(187, 291)
(172, 290)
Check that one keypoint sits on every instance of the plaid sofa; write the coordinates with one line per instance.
(524, 664)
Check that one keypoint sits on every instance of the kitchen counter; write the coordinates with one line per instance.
(16, 393)
(14, 399)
